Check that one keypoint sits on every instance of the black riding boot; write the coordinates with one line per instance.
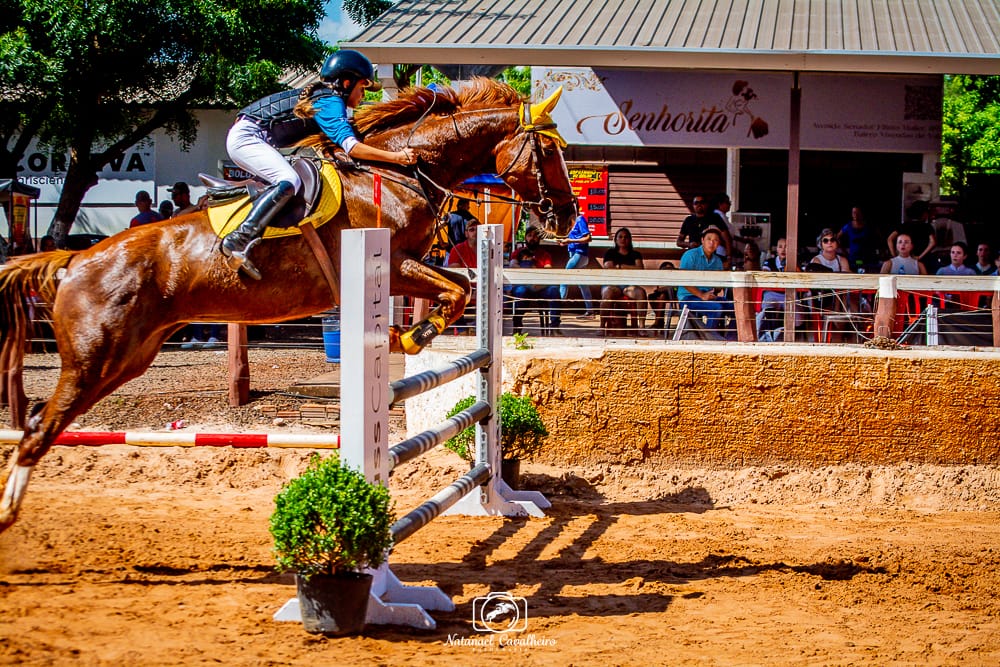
(237, 244)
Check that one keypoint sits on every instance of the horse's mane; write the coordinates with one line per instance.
(412, 103)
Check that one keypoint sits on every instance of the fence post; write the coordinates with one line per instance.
(885, 311)
(239, 365)
(746, 322)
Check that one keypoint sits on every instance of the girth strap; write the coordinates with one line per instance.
(323, 257)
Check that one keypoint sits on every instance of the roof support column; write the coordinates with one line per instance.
(733, 178)
(792, 235)
(389, 89)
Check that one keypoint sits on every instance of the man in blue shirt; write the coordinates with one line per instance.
(703, 258)
(578, 245)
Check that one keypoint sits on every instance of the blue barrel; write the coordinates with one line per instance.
(331, 339)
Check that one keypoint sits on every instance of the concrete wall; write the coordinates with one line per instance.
(747, 404)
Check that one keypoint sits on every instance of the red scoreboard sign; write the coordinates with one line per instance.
(590, 185)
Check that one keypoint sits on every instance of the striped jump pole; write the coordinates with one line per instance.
(431, 509)
(400, 390)
(174, 439)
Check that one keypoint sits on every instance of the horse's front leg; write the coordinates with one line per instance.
(448, 289)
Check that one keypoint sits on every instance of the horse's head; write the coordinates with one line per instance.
(531, 162)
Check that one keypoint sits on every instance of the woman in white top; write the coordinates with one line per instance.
(904, 263)
(828, 255)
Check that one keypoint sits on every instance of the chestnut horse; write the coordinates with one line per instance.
(116, 303)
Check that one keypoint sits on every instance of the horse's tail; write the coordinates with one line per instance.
(25, 283)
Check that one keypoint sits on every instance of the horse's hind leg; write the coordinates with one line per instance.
(90, 371)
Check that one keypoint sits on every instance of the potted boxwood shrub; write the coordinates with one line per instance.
(522, 434)
(329, 525)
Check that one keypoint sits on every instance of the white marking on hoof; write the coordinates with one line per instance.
(13, 494)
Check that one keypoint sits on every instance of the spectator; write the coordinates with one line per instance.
(623, 308)
(904, 263)
(984, 260)
(694, 225)
(918, 228)
(457, 222)
(751, 256)
(578, 246)
(47, 244)
(771, 318)
(146, 214)
(166, 209)
(180, 193)
(860, 242)
(959, 253)
(703, 299)
(205, 336)
(463, 255)
(533, 256)
(660, 300)
(828, 255)
(721, 206)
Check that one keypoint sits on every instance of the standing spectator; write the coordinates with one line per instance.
(984, 260)
(47, 244)
(904, 263)
(860, 242)
(533, 256)
(694, 226)
(703, 299)
(959, 254)
(457, 222)
(578, 245)
(628, 305)
(722, 205)
(918, 228)
(166, 209)
(146, 214)
(465, 256)
(181, 196)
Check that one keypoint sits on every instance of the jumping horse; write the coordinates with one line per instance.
(116, 303)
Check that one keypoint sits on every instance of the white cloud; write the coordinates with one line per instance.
(337, 25)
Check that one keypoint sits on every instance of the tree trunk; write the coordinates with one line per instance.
(80, 177)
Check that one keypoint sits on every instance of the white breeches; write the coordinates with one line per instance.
(246, 146)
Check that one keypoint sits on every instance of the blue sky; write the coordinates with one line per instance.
(337, 25)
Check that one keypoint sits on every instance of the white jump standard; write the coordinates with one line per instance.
(365, 405)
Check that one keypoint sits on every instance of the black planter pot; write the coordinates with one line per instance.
(336, 604)
(510, 472)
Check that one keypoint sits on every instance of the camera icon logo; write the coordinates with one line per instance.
(500, 612)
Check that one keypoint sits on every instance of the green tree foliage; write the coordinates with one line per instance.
(94, 77)
(365, 11)
(970, 133)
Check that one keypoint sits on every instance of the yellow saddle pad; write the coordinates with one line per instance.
(227, 217)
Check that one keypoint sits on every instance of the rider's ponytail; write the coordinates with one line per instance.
(304, 107)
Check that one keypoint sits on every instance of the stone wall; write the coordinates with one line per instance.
(737, 405)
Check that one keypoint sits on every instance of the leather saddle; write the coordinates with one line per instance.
(221, 191)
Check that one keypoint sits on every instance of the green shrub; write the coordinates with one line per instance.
(331, 519)
(522, 431)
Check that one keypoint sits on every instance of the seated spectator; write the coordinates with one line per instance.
(578, 248)
(47, 244)
(751, 256)
(660, 300)
(463, 255)
(771, 318)
(860, 242)
(904, 263)
(828, 255)
(918, 228)
(705, 300)
(984, 260)
(959, 253)
(166, 209)
(533, 256)
(623, 308)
